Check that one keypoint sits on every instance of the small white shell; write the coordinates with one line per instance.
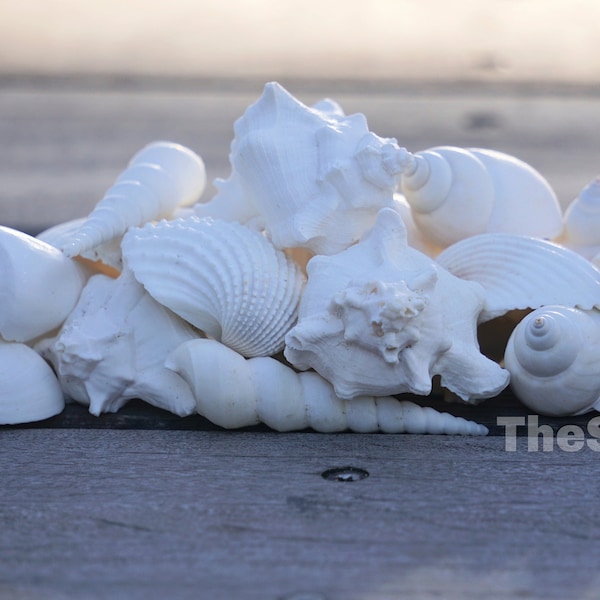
(112, 348)
(381, 318)
(234, 392)
(455, 193)
(160, 177)
(582, 222)
(39, 288)
(221, 277)
(553, 359)
(313, 177)
(29, 390)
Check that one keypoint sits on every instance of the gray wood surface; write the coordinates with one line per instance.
(203, 513)
(159, 514)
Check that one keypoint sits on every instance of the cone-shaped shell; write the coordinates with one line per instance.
(39, 286)
(160, 177)
(29, 390)
(552, 356)
(221, 277)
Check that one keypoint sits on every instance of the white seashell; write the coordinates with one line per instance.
(112, 348)
(221, 277)
(553, 359)
(382, 318)
(312, 177)
(519, 272)
(581, 230)
(455, 193)
(40, 286)
(29, 390)
(235, 392)
(160, 177)
(105, 257)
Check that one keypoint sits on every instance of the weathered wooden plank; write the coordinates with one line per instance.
(189, 514)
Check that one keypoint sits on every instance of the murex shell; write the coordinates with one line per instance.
(223, 278)
(312, 177)
(553, 359)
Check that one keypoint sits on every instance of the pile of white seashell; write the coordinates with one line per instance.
(332, 271)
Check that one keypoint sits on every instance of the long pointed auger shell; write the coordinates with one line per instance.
(39, 286)
(221, 277)
(160, 178)
(519, 272)
(29, 390)
(233, 392)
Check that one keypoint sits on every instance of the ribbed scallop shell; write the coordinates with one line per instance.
(222, 277)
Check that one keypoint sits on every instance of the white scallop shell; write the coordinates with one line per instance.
(222, 277)
(382, 318)
(262, 389)
(39, 286)
(519, 272)
(160, 177)
(113, 346)
(455, 193)
(29, 390)
(553, 359)
(313, 177)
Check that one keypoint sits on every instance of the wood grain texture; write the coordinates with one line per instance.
(197, 514)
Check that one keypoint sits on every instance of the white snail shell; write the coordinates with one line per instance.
(160, 178)
(553, 360)
(235, 392)
(455, 193)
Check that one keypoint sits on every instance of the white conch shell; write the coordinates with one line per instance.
(455, 193)
(112, 348)
(106, 256)
(581, 230)
(313, 177)
(382, 318)
(221, 277)
(29, 390)
(553, 356)
(39, 288)
(232, 392)
(519, 272)
(160, 177)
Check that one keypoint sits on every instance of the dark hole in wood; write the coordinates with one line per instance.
(345, 474)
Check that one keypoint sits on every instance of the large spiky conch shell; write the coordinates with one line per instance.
(160, 178)
(221, 277)
(456, 193)
(553, 359)
(233, 392)
(39, 286)
(29, 390)
(113, 346)
(581, 230)
(312, 177)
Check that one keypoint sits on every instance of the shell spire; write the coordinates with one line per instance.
(233, 392)
(160, 178)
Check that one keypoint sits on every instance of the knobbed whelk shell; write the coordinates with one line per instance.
(160, 177)
(221, 277)
(455, 193)
(39, 288)
(232, 392)
(553, 359)
(312, 177)
(382, 318)
(29, 390)
(112, 348)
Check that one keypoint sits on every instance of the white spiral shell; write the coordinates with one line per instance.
(160, 177)
(455, 193)
(221, 277)
(553, 357)
(234, 392)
